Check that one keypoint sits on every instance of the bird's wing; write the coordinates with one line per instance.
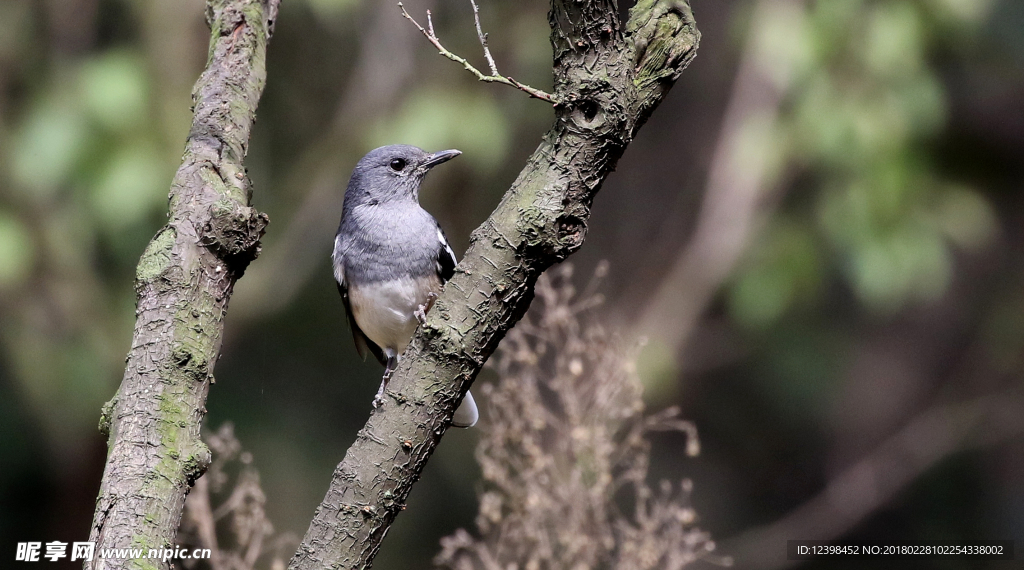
(445, 258)
(363, 344)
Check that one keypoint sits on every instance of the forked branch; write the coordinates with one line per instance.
(494, 77)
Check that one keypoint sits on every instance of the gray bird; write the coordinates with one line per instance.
(391, 257)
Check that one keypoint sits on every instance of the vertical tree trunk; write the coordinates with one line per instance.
(183, 283)
(608, 80)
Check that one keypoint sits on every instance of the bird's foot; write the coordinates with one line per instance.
(421, 311)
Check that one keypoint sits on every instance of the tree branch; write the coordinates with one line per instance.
(183, 282)
(607, 81)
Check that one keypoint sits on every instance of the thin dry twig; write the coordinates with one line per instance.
(495, 77)
(483, 38)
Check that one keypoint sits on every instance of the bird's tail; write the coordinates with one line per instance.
(467, 414)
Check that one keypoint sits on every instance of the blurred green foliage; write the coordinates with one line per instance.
(436, 118)
(858, 124)
(889, 251)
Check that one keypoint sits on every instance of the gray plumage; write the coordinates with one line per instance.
(390, 255)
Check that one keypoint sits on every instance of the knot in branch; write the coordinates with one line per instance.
(223, 17)
(233, 232)
(665, 39)
(196, 463)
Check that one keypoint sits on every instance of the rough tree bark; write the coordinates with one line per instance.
(608, 80)
(183, 282)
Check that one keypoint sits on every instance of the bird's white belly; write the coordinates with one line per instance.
(385, 311)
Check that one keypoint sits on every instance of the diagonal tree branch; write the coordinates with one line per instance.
(608, 80)
(183, 282)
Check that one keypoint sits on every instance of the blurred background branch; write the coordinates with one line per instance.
(743, 174)
(877, 478)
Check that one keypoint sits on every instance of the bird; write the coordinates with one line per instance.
(391, 257)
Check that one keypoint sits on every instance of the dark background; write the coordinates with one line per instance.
(818, 233)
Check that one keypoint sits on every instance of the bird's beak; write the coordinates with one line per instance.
(439, 157)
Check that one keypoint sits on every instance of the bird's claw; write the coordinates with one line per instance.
(421, 311)
(378, 399)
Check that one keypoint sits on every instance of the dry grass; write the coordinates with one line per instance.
(565, 456)
(225, 513)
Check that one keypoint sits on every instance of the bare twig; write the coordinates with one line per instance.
(495, 77)
(483, 38)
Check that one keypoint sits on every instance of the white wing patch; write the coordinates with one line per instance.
(447, 248)
(338, 262)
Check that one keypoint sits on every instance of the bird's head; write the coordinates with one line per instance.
(393, 172)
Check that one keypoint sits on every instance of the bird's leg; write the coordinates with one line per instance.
(421, 311)
(389, 369)
(379, 398)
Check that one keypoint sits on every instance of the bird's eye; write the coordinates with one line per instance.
(397, 164)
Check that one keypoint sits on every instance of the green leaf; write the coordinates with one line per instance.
(894, 39)
(783, 269)
(966, 218)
